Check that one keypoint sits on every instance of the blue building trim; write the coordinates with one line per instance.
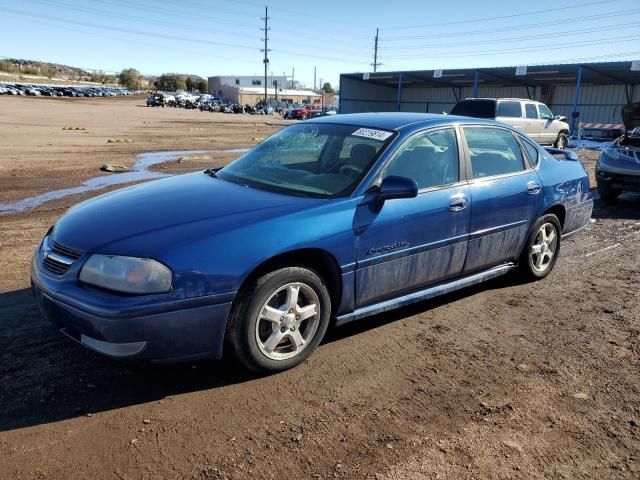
(576, 97)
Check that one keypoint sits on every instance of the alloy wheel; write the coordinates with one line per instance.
(544, 247)
(288, 321)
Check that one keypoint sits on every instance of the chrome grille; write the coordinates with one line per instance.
(65, 252)
(58, 258)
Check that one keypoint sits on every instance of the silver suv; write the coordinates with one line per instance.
(531, 117)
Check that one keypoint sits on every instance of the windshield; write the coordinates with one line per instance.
(315, 160)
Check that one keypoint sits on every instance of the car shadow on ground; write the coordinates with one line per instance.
(626, 206)
(47, 378)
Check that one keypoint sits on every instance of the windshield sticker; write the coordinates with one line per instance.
(381, 135)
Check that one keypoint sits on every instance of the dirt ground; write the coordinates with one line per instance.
(504, 380)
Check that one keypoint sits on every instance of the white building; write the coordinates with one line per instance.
(250, 90)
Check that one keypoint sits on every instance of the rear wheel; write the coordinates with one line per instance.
(280, 319)
(562, 141)
(543, 246)
(607, 194)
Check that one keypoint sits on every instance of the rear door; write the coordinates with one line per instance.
(506, 194)
(510, 112)
(534, 124)
(406, 244)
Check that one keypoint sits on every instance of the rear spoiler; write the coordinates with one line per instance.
(567, 154)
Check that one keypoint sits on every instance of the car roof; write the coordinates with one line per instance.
(502, 98)
(397, 120)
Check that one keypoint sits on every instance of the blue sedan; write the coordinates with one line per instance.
(333, 219)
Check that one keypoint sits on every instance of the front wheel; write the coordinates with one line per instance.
(562, 141)
(280, 319)
(542, 249)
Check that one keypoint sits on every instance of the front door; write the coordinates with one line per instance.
(406, 244)
(548, 128)
(506, 194)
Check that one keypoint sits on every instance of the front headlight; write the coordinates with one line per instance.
(126, 274)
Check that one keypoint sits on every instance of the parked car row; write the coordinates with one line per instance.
(62, 91)
(211, 103)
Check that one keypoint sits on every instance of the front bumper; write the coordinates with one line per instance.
(169, 331)
(619, 181)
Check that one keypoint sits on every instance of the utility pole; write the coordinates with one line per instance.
(266, 49)
(314, 78)
(375, 54)
(293, 83)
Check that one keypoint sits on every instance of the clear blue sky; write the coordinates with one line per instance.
(209, 37)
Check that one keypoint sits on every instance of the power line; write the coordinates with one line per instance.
(518, 27)
(121, 16)
(171, 37)
(521, 49)
(497, 40)
(475, 20)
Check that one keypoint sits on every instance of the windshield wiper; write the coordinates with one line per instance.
(212, 172)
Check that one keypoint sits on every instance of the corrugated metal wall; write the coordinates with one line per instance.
(362, 96)
(597, 103)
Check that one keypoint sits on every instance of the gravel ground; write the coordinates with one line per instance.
(504, 380)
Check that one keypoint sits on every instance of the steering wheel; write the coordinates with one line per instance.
(350, 170)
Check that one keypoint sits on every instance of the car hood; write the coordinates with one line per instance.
(631, 116)
(200, 204)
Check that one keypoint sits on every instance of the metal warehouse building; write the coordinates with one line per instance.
(588, 92)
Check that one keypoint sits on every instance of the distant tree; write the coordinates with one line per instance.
(130, 78)
(202, 85)
(170, 82)
(8, 66)
(327, 88)
(51, 71)
(190, 83)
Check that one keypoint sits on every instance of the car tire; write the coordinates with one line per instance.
(267, 328)
(542, 249)
(607, 194)
(303, 117)
(562, 141)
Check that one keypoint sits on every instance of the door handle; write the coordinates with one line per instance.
(533, 188)
(458, 202)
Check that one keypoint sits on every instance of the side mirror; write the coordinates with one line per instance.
(397, 187)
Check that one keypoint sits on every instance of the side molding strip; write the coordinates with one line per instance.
(425, 294)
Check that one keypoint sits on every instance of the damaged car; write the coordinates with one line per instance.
(618, 168)
(325, 222)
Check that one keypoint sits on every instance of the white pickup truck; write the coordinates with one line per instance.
(532, 118)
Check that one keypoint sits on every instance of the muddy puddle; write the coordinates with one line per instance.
(140, 171)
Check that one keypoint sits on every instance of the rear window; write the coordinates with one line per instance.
(475, 108)
(509, 109)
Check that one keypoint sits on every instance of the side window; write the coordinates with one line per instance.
(509, 109)
(532, 151)
(493, 151)
(430, 158)
(532, 111)
(545, 113)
